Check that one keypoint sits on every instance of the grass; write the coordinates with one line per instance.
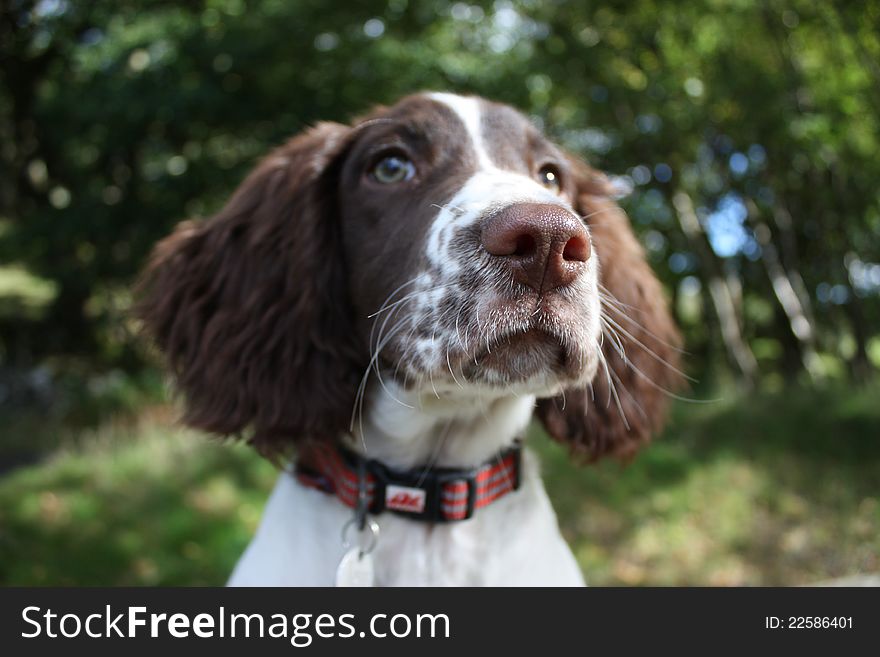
(778, 489)
(135, 504)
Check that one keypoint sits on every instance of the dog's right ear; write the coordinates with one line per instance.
(251, 306)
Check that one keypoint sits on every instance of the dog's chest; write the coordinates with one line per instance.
(410, 553)
(515, 541)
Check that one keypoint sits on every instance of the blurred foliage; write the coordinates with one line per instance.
(119, 118)
(756, 492)
(42, 412)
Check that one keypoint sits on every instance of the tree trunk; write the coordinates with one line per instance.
(860, 366)
(723, 299)
(801, 327)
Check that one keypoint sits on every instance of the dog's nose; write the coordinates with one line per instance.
(544, 246)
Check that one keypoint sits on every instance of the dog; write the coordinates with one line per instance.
(391, 302)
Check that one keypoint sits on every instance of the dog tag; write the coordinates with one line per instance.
(355, 569)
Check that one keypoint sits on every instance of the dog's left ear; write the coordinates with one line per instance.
(251, 306)
(627, 401)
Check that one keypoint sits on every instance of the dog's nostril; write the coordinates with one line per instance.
(525, 245)
(577, 249)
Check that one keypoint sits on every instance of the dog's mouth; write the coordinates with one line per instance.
(510, 353)
(522, 355)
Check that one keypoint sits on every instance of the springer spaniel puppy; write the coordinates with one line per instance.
(391, 302)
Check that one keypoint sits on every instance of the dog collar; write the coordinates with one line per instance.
(422, 493)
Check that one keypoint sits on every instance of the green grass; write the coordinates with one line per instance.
(136, 504)
(778, 489)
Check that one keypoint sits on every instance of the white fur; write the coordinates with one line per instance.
(468, 110)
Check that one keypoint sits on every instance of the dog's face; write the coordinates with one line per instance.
(442, 241)
(468, 265)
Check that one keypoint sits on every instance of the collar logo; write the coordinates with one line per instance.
(403, 498)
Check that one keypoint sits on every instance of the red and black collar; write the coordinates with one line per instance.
(422, 493)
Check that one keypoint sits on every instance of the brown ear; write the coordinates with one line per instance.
(251, 306)
(626, 401)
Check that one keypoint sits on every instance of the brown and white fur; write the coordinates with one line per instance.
(423, 320)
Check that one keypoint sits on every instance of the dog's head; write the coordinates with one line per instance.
(443, 241)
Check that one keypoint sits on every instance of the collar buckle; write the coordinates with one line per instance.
(418, 494)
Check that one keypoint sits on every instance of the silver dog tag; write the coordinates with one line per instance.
(355, 569)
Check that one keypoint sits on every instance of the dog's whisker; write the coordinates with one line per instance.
(410, 295)
(610, 305)
(378, 370)
(357, 411)
(596, 213)
(657, 386)
(618, 345)
(619, 383)
(452, 208)
(648, 350)
(615, 339)
(612, 389)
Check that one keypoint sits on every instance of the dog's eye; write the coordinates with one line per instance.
(393, 169)
(550, 178)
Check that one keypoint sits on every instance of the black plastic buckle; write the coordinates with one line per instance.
(432, 483)
(516, 451)
(381, 478)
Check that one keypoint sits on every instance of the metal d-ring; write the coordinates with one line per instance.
(372, 541)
